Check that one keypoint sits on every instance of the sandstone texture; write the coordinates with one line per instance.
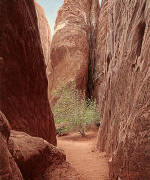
(23, 81)
(8, 167)
(100, 52)
(45, 36)
(33, 155)
(25, 157)
(125, 128)
(45, 33)
(70, 46)
(63, 171)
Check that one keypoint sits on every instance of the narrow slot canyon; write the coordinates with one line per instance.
(74, 90)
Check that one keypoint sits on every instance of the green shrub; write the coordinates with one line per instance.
(73, 110)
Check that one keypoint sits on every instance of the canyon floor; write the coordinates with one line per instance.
(82, 155)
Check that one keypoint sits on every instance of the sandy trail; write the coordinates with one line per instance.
(83, 156)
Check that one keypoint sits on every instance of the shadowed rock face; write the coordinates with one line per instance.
(23, 87)
(8, 167)
(33, 155)
(125, 129)
(71, 42)
(99, 68)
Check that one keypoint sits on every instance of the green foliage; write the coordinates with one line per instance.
(73, 110)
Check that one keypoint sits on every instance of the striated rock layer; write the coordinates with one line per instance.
(23, 87)
(71, 42)
(100, 52)
(125, 129)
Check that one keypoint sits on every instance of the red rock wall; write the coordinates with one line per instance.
(71, 42)
(8, 166)
(94, 15)
(125, 128)
(23, 88)
(45, 35)
(100, 52)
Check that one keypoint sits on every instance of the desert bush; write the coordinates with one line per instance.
(73, 110)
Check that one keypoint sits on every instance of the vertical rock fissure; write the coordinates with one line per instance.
(141, 31)
(92, 46)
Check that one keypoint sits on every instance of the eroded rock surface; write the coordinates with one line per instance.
(23, 87)
(71, 42)
(125, 129)
(99, 74)
(45, 35)
(33, 155)
(8, 167)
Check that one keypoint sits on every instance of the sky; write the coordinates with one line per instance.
(51, 8)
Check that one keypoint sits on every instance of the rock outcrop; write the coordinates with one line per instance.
(125, 129)
(70, 51)
(45, 35)
(25, 157)
(8, 167)
(23, 82)
(33, 155)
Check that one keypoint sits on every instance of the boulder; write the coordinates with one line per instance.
(8, 167)
(33, 155)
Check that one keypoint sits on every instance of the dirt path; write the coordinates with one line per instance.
(82, 154)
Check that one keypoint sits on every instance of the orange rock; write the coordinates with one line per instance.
(70, 43)
(8, 167)
(23, 88)
(45, 36)
(125, 127)
(33, 155)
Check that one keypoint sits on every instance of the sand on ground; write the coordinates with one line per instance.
(81, 152)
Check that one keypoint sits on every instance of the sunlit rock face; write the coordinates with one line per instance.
(70, 46)
(23, 87)
(45, 36)
(125, 127)
(45, 32)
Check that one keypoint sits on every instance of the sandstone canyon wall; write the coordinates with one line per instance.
(99, 74)
(125, 127)
(45, 35)
(23, 88)
(70, 47)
